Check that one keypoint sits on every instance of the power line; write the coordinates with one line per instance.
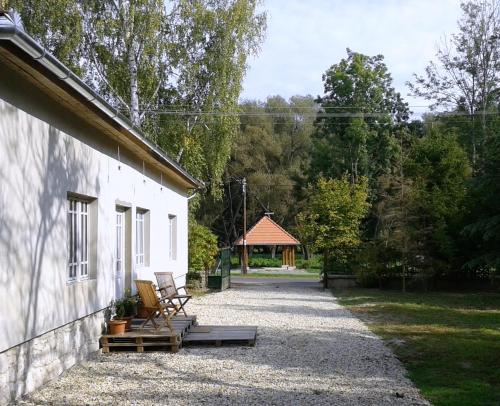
(318, 114)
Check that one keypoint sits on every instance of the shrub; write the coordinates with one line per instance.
(202, 247)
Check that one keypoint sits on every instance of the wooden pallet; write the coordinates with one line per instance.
(139, 339)
(219, 335)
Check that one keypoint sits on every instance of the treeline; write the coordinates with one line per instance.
(373, 191)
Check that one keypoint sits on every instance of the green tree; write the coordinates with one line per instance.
(439, 169)
(466, 77)
(272, 151)
(332, 218)
(213, 41)
(126, 44)
(483, 230)
(359, 111)
(57, 25)
(175, 68)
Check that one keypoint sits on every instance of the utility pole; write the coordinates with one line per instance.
(244, 262)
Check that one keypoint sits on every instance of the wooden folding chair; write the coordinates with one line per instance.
(167, 288)
(154, 306)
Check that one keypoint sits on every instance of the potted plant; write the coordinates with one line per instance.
(125, 309)
(117, 326)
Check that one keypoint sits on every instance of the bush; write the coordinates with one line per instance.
(202, 247)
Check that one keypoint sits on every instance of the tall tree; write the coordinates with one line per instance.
(466, 77)
(174, 67)
(214, 40)
(358, 112)
(439, 169)
(483, 230)
(126, 45)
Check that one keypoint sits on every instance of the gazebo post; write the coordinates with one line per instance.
(286, 255)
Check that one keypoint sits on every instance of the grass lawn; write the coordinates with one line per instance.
(449, 342)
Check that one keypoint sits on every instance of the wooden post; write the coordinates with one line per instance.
(244, 265)
(288, 256)
(105, 345)
(140, 346)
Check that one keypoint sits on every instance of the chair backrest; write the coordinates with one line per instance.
(147, 293)
(166, 283)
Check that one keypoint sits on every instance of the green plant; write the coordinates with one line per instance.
(330, 222)
(202, 247)
(126, 306)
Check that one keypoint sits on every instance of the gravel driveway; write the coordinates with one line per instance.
(309, 351)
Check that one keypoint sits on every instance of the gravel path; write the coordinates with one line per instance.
(309, 351)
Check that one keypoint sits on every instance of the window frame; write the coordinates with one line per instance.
(140, 237)
(79, 234)
(172, 237)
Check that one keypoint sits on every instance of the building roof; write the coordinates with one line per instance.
(268, 232)
(24, 54)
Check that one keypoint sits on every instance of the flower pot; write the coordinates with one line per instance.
(117, 326)
(128, 320)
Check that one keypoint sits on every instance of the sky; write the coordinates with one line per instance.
(305, 37)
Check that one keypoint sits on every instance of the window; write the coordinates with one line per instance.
(140, 237)
(120, 240)
(78, 239)
(172, 233)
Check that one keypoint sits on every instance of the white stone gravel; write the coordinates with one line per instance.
(309, 351)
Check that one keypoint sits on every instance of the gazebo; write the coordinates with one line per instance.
(267, 232)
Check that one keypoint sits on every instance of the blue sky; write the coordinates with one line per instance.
(304, 38)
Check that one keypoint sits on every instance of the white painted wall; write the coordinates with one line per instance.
(46, 152)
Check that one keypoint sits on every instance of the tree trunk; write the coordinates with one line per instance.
(306, 252)
(325, 264)
(132, 68)
(404, 278)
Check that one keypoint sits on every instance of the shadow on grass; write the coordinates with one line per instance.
(449, 342)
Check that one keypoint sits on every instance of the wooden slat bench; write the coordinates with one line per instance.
(219, 335)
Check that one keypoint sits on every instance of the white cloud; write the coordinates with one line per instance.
(304, 38)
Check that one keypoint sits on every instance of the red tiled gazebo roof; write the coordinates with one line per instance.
(268, 232)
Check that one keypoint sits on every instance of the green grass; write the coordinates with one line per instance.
(274, 275)
(450, 341)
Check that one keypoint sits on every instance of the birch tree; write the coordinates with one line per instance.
(126, 46)
(213, 41)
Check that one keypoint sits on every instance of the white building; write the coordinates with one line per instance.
(87, 205)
